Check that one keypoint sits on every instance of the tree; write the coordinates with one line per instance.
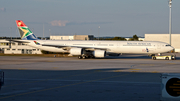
(135, 37)
(118, 38)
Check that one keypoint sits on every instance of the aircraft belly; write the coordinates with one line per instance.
(46, 48)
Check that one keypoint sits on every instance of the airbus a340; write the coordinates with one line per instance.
(90, 48)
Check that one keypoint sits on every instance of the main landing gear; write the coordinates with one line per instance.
(85, 56)
(82, 57)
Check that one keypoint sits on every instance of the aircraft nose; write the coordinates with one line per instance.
(171, 48)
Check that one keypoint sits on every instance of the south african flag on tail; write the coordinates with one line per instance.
(24, 31)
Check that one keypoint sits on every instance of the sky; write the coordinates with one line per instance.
(101, 18)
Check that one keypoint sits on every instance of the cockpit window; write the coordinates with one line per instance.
(168, 45)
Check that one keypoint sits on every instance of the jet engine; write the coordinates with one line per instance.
(76, 51)
(99, 53)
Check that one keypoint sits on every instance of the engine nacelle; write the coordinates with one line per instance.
(76, 51)
(99, 53)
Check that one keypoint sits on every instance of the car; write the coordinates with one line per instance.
(170, 57)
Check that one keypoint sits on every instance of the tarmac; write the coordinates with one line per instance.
(123, 78)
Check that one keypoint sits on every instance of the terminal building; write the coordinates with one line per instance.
(175, 39)
(7, 47)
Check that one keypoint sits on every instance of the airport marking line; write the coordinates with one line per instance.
(63, 86)
(154, 72)
(134, 69)
(54, 67)
(128, 70)
(146, 64)
(117, 70)
(171, 63)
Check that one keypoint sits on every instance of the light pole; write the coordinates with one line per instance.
(50, 32)
(11, 37)
(43, 31)
(11, 32)
(170, 4)
(98, 32)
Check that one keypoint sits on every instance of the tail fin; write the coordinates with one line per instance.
(24, 31)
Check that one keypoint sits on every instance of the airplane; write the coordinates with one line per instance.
(90, 48)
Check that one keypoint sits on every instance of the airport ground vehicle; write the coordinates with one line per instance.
(1, 78)
(170, 57)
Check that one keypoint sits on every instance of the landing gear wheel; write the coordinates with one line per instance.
(167, 58)
(79, 57)
(154, 58)
(173, 58)
(84, 57)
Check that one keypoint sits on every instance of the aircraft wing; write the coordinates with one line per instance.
(67, 47)
(19, 41)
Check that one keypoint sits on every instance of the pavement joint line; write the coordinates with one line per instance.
(51, 79)
(62, 86)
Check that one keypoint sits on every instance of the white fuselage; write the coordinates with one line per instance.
(136, 47)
